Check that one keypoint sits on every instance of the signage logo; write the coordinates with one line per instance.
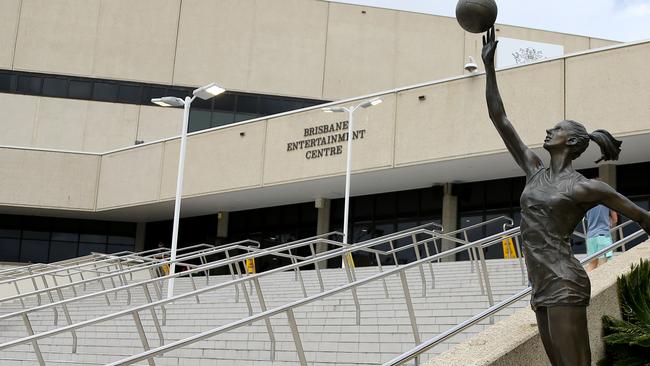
(325, 140)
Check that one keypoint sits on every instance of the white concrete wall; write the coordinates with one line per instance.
(306, 48)
(601, 89)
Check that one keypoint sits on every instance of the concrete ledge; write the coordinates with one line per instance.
(516, 341)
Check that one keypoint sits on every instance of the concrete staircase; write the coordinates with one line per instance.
(327, 327)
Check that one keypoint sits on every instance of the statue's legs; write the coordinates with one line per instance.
(564, 333)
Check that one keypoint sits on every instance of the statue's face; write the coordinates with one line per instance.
(559, 136)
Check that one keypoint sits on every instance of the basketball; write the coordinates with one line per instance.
(476, 16)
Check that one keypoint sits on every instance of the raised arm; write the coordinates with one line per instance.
(524, 156)
(593, 192)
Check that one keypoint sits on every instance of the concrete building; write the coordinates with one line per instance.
(89, 164)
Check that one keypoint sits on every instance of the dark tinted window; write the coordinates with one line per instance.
(61, 250)
(105, 92)
(199, 120)
(34, 251)
(129, 94)
(80, 89)
(29, 84)
(7, 82)
(9, 249)
(55, 87)
(150, 92)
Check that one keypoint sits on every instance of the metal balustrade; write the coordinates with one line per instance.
(254, 253)
(432, 237)
(490, 312)
(288, 309)
(118, 260)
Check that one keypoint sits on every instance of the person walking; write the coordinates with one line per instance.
(600, 220)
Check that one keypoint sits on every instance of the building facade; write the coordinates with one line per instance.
(89, 165)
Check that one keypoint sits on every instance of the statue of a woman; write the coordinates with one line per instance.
(553, 202)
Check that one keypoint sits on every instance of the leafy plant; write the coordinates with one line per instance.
(627, 341)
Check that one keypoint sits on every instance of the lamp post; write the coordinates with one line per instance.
(204, 92)
(350, 111)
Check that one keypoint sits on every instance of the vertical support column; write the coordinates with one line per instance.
(140, 231)
(322, 226)
(449, 217)
(222, 225)
(607, 172)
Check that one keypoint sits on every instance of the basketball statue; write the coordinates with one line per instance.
(555, 199)
(476, 16)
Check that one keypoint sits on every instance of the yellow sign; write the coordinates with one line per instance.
(250, 265)
(350, 260)
(509, 251)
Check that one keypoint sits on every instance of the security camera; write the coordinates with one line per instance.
(471, 66)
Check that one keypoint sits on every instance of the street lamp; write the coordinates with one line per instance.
(350, 111)
(204, 92)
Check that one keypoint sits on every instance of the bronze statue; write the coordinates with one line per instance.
(553, 202)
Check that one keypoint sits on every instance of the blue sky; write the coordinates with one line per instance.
(621, 20)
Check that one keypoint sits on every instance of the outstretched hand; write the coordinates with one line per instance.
(489, 47)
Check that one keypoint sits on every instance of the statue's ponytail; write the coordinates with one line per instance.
(610, 147)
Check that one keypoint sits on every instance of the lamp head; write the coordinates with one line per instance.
(208, 91)
(372, 102)
(333, 109)
(168, 102)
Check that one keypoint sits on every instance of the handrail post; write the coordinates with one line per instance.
(411, 310)
(471, 254)
(74, 290)
(246, 297)
(298, 273)
(66, 313)
(124, 282)
(392, 249)
(317, 267)
(30, 331)
(143, 336)
(355, 297)
(296, 337)
(198, 301)
(49, 296)
(486, 278)
(474, 262)
(267, 320)
(416, 248)
(154, 316)
(232, 276)
(39, 300)
(428, 253)
(381, 269)
(22, 302)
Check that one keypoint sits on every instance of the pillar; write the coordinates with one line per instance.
(140, 231)
(322, 225)
(449, 217)
(222, 225)
(607, 172)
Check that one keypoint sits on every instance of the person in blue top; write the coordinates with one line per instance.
(600, 220)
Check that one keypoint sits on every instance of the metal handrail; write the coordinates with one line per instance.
(432, 342)
(119, 255)
(335, 253)
(147, 266)
(148, 354)
(332, 254)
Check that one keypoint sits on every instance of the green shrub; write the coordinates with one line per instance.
(627, 341)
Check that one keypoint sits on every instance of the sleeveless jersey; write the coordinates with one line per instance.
(550, 213)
